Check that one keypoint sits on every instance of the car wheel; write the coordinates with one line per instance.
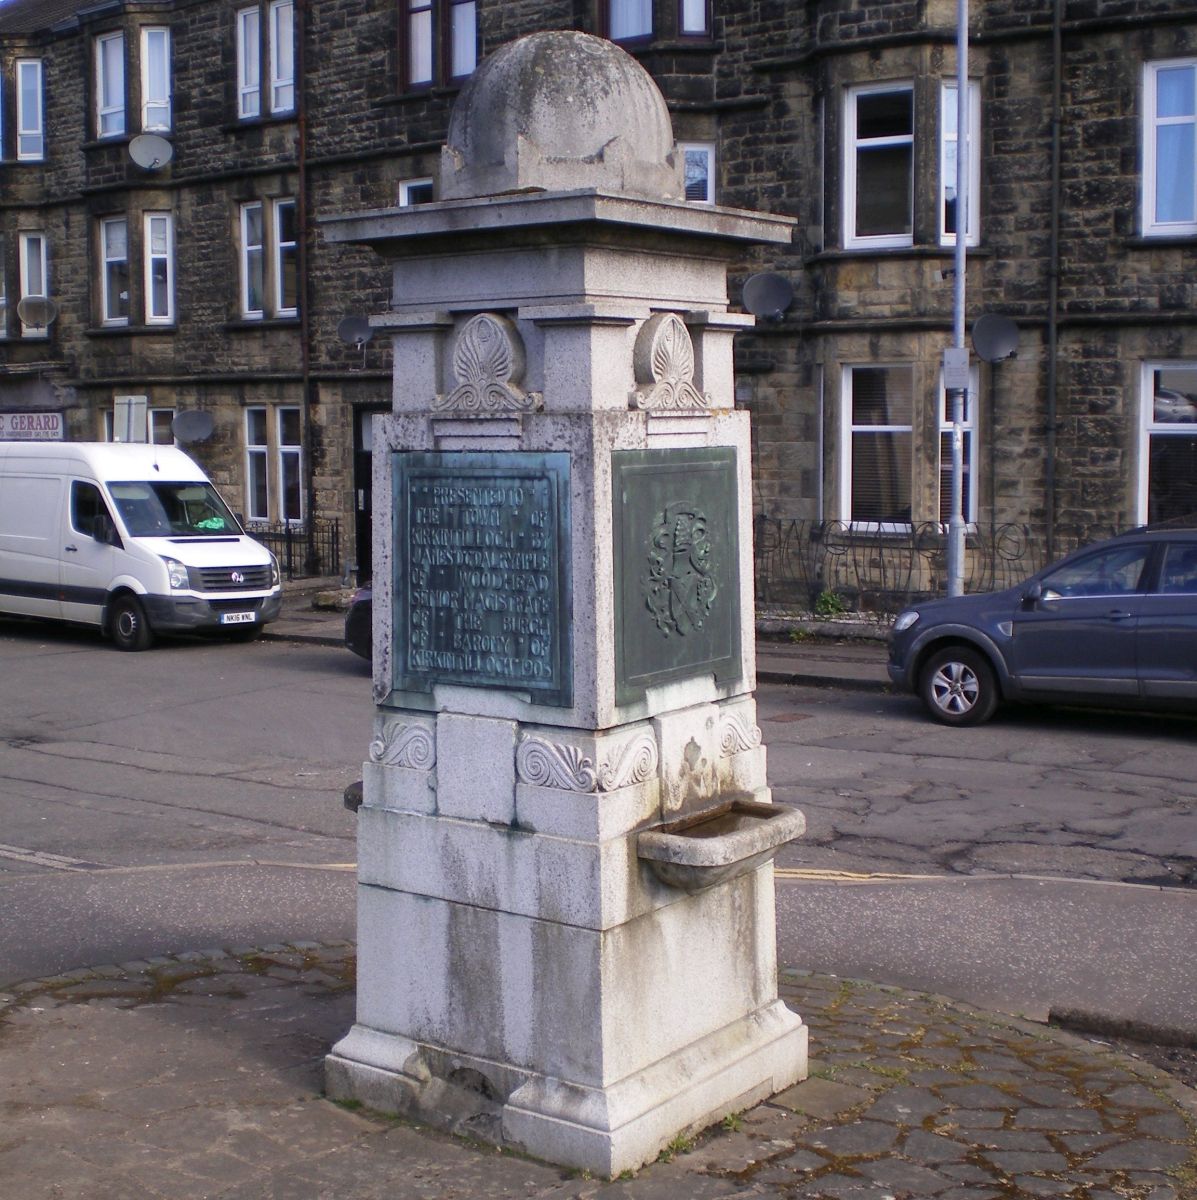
(958, 686)
(127, 624)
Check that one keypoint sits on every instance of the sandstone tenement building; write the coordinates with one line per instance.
(198, 279)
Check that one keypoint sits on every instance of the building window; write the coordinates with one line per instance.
(249, 63)
(441, 41)
(1168, 442)
(159, 269)
(160, 429)
(274, 495)
(694, 18)
(279, 65)
(1170, 147)
(31, 144)
(110, 85)
(155, 78)
(114, 275)
(34, 277)
(698, 161)
(269, 264)
(969, 472)
(877, 464)
(253, 261)
(286, 260)
(282, 56)
(948, 141)
(628, 19)
(416, 191)
(290, 465)
(879, 166)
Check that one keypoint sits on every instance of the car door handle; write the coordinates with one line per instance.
(1118, 614)
(72, 549)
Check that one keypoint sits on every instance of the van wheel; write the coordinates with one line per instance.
(958, 686)
(127, 624)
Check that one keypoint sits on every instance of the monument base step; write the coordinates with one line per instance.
(602, 1130)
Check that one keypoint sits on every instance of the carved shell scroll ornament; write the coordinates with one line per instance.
(664, 365)
(488, 362)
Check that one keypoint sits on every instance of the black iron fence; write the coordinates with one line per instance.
(305, 551)
(830, 567)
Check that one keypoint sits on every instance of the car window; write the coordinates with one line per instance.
(1178, 575)
(1109, 572)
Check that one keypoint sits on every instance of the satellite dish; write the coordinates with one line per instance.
(150, 151)
(767, 295)
(37, 312)
(194, 425)
(355, 331)
(994, 337)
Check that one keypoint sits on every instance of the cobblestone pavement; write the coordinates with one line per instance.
(198, 1075)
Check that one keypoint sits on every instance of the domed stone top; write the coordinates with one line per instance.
(560, 111)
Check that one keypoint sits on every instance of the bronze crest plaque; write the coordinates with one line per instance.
(481, 572)
(676, 536)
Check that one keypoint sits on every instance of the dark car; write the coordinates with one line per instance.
(359, 623)
(1113, 624)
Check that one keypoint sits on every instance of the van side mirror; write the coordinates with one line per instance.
(104, 531)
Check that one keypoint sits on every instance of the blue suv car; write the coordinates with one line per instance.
(1113, 624)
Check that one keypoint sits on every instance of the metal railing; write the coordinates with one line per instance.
(832, 566)
(307, 551)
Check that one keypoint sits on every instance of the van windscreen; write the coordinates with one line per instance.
(156, 508)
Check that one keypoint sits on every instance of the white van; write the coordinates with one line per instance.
(133, 539)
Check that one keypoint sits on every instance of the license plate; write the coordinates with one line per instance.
(246, 618)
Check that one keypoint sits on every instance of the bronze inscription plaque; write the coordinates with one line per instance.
(481, 564)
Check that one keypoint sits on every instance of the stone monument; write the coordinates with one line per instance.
(566, 909)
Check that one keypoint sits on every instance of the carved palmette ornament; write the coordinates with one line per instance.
(737, 733)
(664, 364)
(488, 362)
(549, 764)
(635, 762)
(400, 745)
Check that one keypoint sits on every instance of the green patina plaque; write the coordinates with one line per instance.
(481, 572)
(677, 555)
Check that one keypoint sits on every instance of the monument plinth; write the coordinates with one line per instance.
(566, 911)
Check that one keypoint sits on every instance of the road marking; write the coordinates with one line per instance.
(43, 858)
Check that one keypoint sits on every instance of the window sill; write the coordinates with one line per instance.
(103, 331)
(435, 91)
(947, 253)
(253, 324)
(1156, 241)
(247, 124)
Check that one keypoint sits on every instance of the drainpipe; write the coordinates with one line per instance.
(1053, 285)
(302, 265)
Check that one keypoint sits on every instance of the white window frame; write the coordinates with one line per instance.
(31, 139)
(39, 259)
(408, 186)
(278, 251)
(156, 107)
(110, 92)
(151, 258)
(1149, 427)
(257, 458)
(707, 149)
(420, 36)
(106, 261)
(1152, 123)
(947, 173)
(156, 417)
(282, 56)
(251, 253)
(628, 20)
(289, 453)
(847, 431)
(969, 429)
(852, 146)
(249, 63)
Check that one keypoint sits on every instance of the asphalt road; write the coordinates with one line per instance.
(191, 797)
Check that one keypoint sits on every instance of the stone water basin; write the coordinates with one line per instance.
(697, 852)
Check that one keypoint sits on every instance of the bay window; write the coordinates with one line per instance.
(948, 142)
(155, 79)
(114, 271)
(159, 269)
(877, 463)
(34, 278)
(269, 259)
(31, 143)
(628, 19)
(440, 41)
(1170, 148)
(110, 85)
(879, 165)
(271, 58)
